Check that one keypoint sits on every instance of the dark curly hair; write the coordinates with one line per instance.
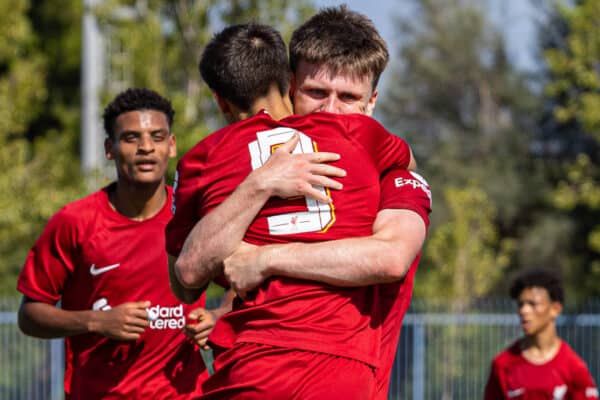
(134, 99)
(542, 278)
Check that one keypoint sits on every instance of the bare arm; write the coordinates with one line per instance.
(284, 175)
(385, 256)
(412, 164)
(187, 295)
(124, 322)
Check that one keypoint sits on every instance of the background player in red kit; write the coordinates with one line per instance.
(337, 57)
(539, 365)
(338, 334)
(103, 258)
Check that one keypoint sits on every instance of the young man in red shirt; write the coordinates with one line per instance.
(540, 365)
(337, 57)
(103, 258)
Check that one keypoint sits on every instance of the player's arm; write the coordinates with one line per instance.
(412, 164)
(583, 387)
(385, 256)
(398, 235)
(493, 388)
(220, 232)
(184, 294)
(124, 322)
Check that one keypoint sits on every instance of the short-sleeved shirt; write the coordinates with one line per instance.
(90, 257)
(400, 189)
(565, 377)
(283, 311)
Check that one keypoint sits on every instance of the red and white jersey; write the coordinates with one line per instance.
(400, 189)
(565, 377)
(289, 312)
(90, 257)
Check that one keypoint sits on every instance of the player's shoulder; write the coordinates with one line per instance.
(74, 217)
(569, 355)
(202, 150)
(81, 208)
(508, 356)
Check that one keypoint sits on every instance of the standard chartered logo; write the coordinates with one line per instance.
(166, 317)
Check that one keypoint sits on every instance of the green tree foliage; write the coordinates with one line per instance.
(37, 175)
(467, 251)
(573, 92)
(468, 114)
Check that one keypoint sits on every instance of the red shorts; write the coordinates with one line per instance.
(253, 371)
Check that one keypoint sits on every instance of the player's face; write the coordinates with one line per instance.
(141, 147)
(537, 311)
(313, 88)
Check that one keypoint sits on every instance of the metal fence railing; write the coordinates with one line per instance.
(30, 369)
(441, 354)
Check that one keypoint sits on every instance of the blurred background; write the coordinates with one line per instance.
(499, 100)
(500, 104)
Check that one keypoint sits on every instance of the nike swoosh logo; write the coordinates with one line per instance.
(515, 393)
(97, 271)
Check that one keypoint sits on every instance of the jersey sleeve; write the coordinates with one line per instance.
(51, 261)
(493, 387)
(385, 149)
(185, 206)
(403, 189)
(583, 386)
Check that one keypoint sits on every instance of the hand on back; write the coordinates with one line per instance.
(287, 175)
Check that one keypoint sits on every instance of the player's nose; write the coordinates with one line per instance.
(146, 144)
(331, 104)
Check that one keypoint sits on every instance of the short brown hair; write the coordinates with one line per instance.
(343, 40)
(242, 62)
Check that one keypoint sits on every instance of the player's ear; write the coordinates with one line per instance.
(223, 105)
(292, 86)
(371, 102)
(172, 146)
(108, 148)
(556, 308)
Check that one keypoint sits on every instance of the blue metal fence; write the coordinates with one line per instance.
(441, 354)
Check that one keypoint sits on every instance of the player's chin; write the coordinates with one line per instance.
(148, 178)
(528, 328)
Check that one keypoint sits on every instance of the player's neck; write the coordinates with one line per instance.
(138, 202)
(541, 347)
(274, 103)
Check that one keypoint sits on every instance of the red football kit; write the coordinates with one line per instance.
(90, 257)
(400, 189)
(565, 377)
(289, 312)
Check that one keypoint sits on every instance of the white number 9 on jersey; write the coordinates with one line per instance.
(319, 216)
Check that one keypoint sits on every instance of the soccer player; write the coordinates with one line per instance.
(103, 258)
(337, 57)
(539, 365)
(239, 65)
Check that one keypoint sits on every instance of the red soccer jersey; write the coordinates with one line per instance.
(565, 377)
(91, 257)
(283, 311)
(400, 189)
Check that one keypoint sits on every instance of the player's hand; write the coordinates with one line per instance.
(200, 323)
(244, 270)
(123, 322)
(287, 175)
